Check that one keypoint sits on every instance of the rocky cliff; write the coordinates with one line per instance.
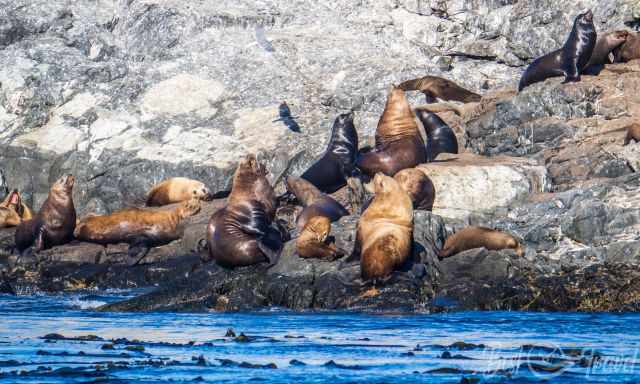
(126, 93)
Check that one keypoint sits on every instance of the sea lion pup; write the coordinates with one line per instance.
(14, 201)
(435, 88)
(141, 228)
(312, 242)
(315, 203)
(603, 51)
(568, 61)
(384, 234)
(177, 190)
(418, 186)
(398, 144)
(633, 133)
(478, 237)
(629, 50)
(240, 234)
(440, 137)
(331, 171)
(54, 223)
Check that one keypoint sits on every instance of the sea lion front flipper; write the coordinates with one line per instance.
(271, 245)
(38, 244)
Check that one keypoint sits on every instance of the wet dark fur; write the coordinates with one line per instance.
(440, 137)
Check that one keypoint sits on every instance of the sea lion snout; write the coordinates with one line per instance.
(588, 16)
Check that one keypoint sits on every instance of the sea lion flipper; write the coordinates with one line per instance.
(38, 244)
(271, 246)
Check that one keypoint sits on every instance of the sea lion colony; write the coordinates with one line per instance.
(245, 231)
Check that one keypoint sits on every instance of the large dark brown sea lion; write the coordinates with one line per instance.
(384, 234)
(54, 223)
(418, 186)
(603, 51)
(478, 237)
(440, 137)
(177, 190)
(240, 234)
(331, 171)
(568, 61)
(630, 50)
(435, 88)
(312, 242)
(315, 202)
(142, 229)
(399, 144)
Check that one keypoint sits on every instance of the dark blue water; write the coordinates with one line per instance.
(284, 347)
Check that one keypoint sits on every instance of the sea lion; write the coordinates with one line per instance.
(633, 133)
(398, 143)
(312, 242)
(418, 186)
(240, 234)
(384, 234)
(331, 171)
(177, 190)
(478, 237)
(603, 51)
(315, 203)
(54, 223)
(9, 216)
(14, 201)
(440, 137)
(141, 228)
(568, 61)
(435, 88)
(629, 50)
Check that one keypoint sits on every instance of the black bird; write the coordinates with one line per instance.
(286, 118)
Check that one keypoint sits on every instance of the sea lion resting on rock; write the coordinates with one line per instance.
(418, 186)
(141, 228)
(568, 61)
(633, 133)
(54, 223)
(629, 50)
(13, 211)
(440, 137)
(331, 171)
(384, 234)
(176, 190)
(399, 144)
(478, 237)
(435, 88)
(603, 51)
(240, 234)
(315, 202)
(312, 242)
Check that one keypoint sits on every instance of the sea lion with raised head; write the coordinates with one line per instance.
(629, 50)
(313, 240)
(418, 186)
(141, 228)
(13, 211)
(440, 137)
(315, 203)
(331, 171)
(479, 237)
(177, 190)
(240, 234)
(55, 221)
(384, 234)
(568, 61)
(603, 54)
(435, 88)
(398, 143)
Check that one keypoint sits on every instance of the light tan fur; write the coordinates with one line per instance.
(418, 186)
(398, 121)
(312, 242)
(176, 190)
(438, 88)
(13, 210)
(478, 237)
(385, 229)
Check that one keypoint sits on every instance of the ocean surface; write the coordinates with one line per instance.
(61, 339)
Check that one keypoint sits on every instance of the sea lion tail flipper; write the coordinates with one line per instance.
(444, 253)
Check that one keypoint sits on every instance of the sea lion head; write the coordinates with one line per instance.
(384, 184)
(516, 246)
(251, 164)
(14, 201)
(320, 226)
(585, 18)
(189, 208)
(201, 192)
(64, 185)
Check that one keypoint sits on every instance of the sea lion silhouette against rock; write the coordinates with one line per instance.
(435, 88)
(603, 54)
(315, 203)
(141, 228)
(568, 61)
(440, 137)
(240, 234)
(312, 242)
(54, 223)
(418, 186)
(331, 171)
(177, 190)
(398, 143)
(384, 235)
(478, 237)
